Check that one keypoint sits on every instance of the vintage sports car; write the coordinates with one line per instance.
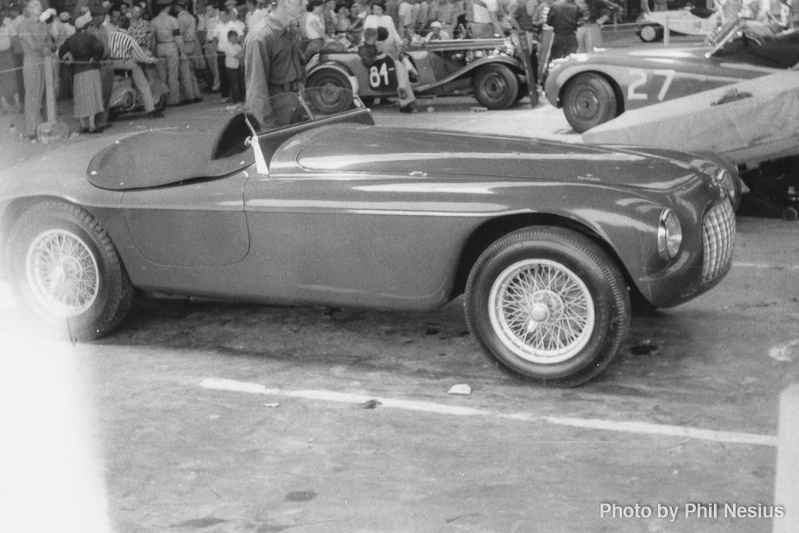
(487, 68)
(754, 124)
(596, 87)
(547, 241)
(650, 27)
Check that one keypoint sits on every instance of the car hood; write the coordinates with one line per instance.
(430, 153)
(658, 57)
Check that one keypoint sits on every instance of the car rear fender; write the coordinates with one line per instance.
(10, 213)
(469, 70)
(338, 67)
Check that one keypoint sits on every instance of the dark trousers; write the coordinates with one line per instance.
(563, 45)
(224, 85)
(235, 77)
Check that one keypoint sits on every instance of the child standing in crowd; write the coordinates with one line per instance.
(234, 53)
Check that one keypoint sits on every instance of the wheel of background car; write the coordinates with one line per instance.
(496, 87)
(588, 101)
(548, 303)
(650, 33)
(64, 268)
(330, 98)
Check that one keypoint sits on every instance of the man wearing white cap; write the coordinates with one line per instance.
(436, 33)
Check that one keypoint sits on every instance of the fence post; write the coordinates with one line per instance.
(786, 493)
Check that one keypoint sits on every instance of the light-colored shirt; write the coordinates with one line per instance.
(314, 26)
(405, 14)
(232, 54)
(221, 30)
(253, 17)
(5, 35)
(208, 24)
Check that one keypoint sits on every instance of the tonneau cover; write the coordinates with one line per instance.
(162, 157)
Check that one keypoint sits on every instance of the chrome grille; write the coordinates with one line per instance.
(718, 239)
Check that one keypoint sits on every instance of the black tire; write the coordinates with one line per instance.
(650, 33)
(588, 101)
(329, 91)
(86, 255)
(581, 288)
(496, 87)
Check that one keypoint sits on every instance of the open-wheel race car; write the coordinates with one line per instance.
(548, 242)
(596, 87)
(490, 69)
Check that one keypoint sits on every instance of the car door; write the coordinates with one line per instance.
(196, 224)
(363, 240)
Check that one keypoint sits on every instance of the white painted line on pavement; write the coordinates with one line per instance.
(766, 265)
(330, 396)
(642, 428)
(674, 431)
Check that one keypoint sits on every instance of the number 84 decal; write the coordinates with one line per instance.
(640, 79)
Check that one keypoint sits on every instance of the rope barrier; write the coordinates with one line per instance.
(108, 60)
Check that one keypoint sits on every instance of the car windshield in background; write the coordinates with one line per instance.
(312, 103)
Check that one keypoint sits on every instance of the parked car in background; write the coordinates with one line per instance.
(650, 27)
(596, 87)
(547, 241)
(489, 69)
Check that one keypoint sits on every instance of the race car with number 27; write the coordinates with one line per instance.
(597, 87)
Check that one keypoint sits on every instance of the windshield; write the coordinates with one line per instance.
(312, 103)
(284, 111)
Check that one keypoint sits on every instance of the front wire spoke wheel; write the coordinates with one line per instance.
(548, 303)
(62, 273)
(544, 311)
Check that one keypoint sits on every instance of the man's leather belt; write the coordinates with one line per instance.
(285, 87)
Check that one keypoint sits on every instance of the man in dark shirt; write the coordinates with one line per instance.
(564, 17)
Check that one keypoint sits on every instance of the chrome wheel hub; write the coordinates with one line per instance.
(542, 311)
(62, 273)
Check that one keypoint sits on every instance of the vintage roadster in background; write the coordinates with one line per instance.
(596, 87)
(650, 27)
(547, 241)
(490, 69)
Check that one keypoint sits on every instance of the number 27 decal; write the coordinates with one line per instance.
(640, 79)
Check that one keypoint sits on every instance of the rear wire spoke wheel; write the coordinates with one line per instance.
(65, 270)
(588, 101)
(548, 303)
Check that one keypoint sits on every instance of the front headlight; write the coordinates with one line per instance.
(669, 235)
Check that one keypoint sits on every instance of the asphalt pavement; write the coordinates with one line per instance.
(219, 417)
